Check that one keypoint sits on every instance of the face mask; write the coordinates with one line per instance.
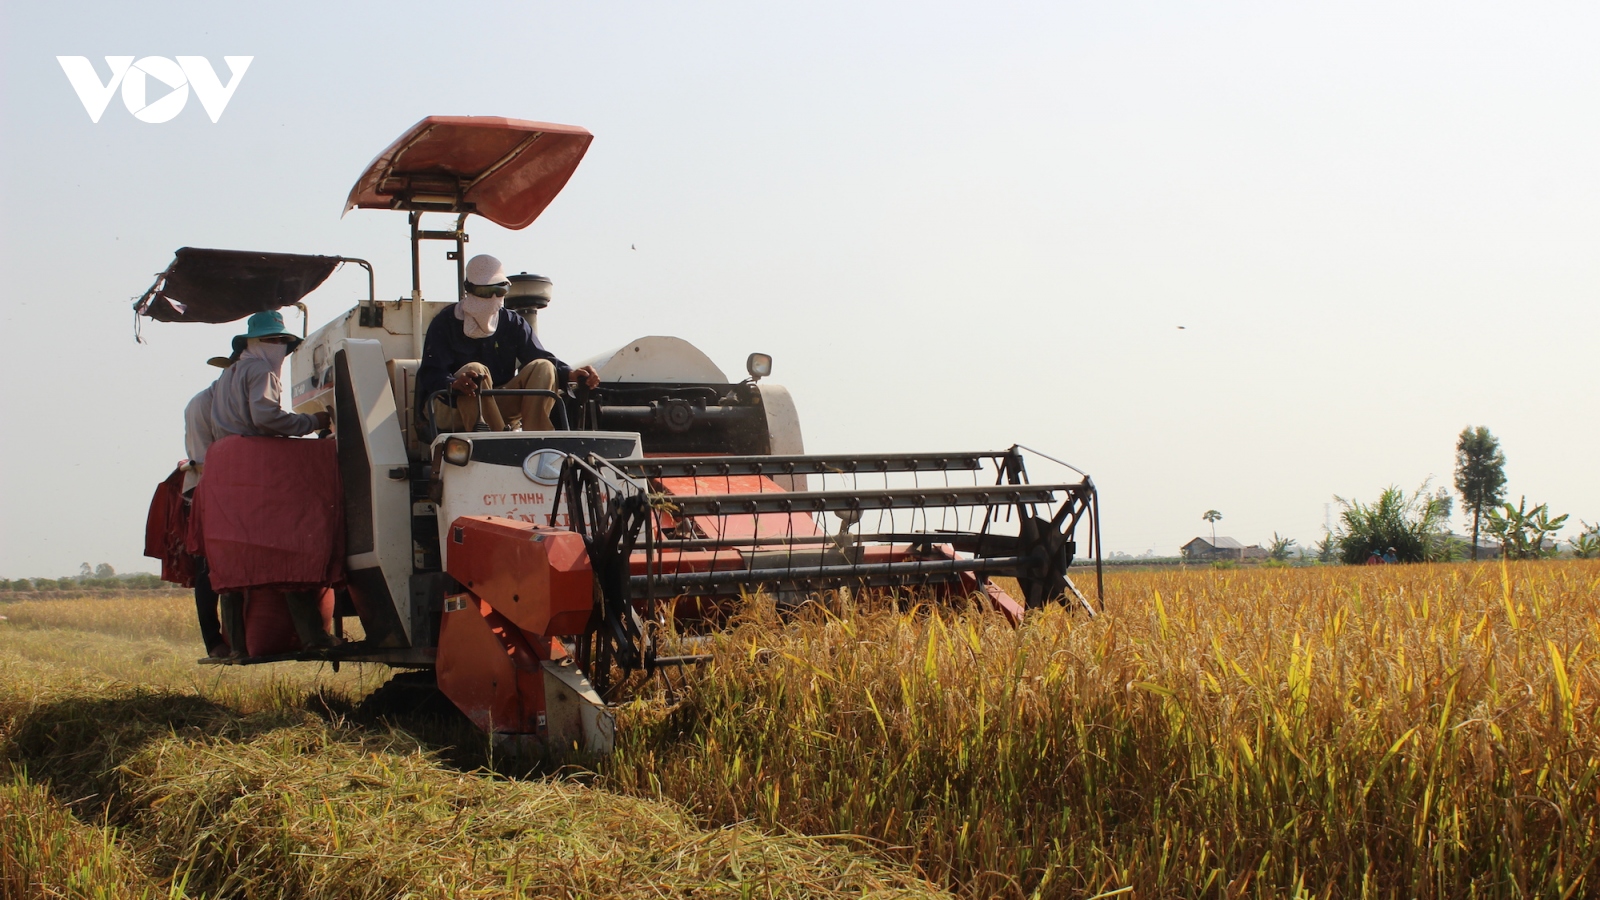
(266, 350)
(479, 316)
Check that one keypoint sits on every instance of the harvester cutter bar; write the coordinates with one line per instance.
(815, 464)
(861, 499)
(679, 582)
(962, 541)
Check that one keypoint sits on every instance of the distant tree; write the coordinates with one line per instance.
(104, 570)
(1587, 544)
(1480, 475)
(1525, 533)
(1280, 548)
(84, 571)
(1212, 516)
(1410, 525)
(1326, 548)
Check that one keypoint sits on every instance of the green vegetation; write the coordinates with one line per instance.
(138, 581)
(1526, 533)
(1280, 548)
(1587, 544)
(1412, 526)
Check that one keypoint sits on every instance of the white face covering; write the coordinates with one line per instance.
(479, 316)
(267, 350)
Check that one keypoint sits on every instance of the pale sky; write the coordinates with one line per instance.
(954, 226)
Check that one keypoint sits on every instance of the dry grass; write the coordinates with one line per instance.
(159, 616)
(1397, 732)
(246, 783)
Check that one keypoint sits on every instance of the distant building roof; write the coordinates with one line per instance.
(1221, 543)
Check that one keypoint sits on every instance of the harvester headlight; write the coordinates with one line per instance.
(457, 452)
(759, 365)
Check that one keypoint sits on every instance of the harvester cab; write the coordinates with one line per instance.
(528, 569)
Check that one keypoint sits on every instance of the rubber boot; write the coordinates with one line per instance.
(306, 613)
(232, 604)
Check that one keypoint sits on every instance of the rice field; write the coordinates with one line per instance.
(1398, 731)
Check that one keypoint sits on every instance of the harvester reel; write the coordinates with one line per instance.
(609, 523)
(674, 529)
(1048, 553)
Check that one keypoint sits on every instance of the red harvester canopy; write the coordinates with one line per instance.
(506, 170)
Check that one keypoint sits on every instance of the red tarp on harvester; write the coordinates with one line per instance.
(269, 512)
(165, 530)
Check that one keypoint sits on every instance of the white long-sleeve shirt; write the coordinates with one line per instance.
(197, 434)
(248, 400)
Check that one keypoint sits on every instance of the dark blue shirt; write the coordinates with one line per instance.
(447, 348)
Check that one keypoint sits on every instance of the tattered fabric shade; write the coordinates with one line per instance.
(227, 285)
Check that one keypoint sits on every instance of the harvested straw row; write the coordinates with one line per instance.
(46, 852)
(288, 805)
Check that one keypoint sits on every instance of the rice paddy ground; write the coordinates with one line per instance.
(1398, 731)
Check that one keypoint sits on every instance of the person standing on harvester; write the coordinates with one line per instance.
(197, 437)
(248, 397)
(478, 344)
(248, 400)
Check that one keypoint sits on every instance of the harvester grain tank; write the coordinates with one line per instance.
(529, 569)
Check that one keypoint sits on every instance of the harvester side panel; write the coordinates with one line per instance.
(783, 431)
(377, 504)
(537, 577)
(501, 658)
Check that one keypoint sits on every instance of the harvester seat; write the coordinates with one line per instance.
(403, 378)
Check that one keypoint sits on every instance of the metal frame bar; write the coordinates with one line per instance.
(822, 464)
(676, 582)
(687, 505)
(433, 422)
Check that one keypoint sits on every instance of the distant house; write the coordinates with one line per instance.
(1205, 549)
(1254, 551)
(1487, 549)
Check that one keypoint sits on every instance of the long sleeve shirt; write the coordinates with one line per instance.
(197, 434)
(447, 348)
(248, 399)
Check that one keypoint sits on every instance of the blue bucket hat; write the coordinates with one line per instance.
(264, 324)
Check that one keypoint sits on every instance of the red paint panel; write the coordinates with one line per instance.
(740, 526)
(536, 576)
(488, 671)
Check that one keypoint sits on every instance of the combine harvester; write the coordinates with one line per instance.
(527, 569)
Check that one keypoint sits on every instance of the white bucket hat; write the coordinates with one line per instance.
(485, 269)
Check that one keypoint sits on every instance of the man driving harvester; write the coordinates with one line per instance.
(479, 344)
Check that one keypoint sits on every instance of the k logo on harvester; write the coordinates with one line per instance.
(135, 77)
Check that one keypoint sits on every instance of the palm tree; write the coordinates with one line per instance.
(1212, 516)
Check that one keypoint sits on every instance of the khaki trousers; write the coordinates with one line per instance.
(531, 413)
